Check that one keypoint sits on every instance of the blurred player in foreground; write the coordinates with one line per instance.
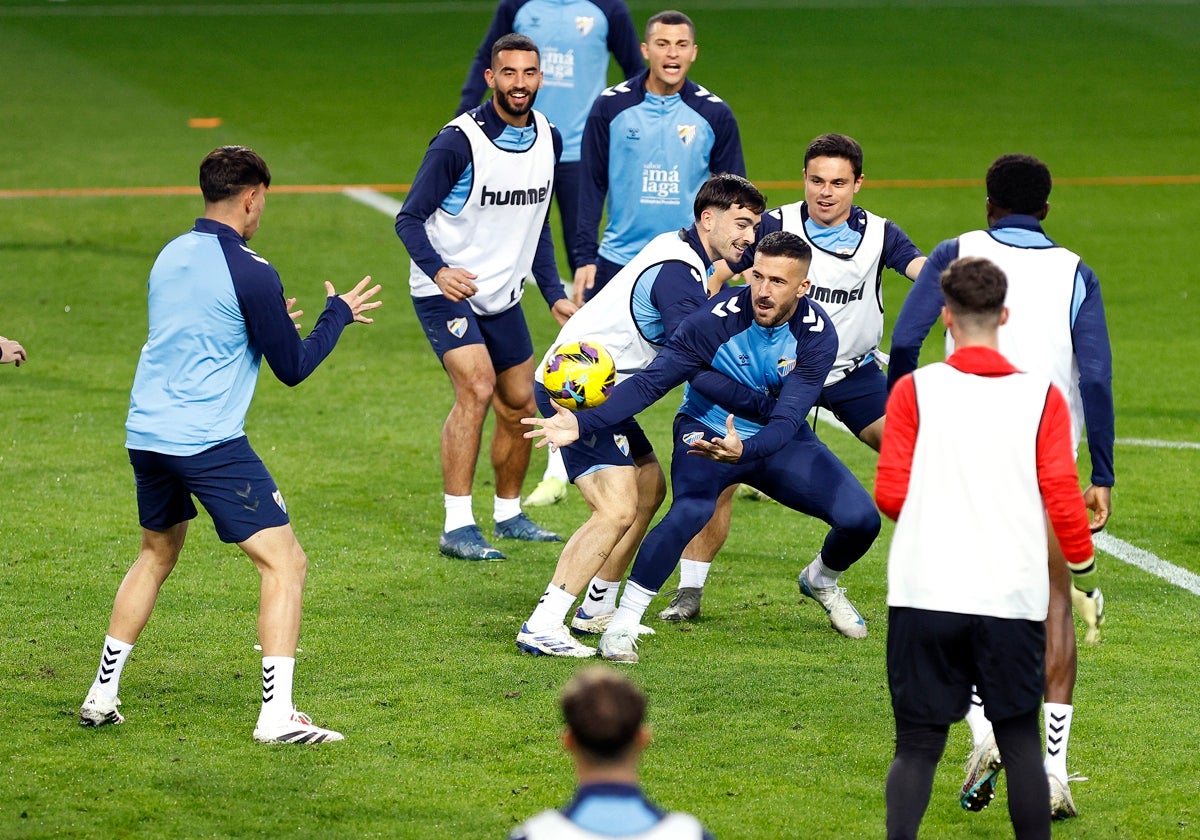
(606, 735)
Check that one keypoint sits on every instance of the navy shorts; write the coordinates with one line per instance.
(933, 659)
(621, 445)
(449, 324)
(859, 399)
(230, 480)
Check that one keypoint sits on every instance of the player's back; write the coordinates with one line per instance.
(196, 373)
(1041, 291)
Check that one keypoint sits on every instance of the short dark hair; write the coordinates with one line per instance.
(1019, 183)
(604, 711)
(725, 190)
(227, 170)
(514, 41)
(670, 17)
(784, 243)
(974, 288)
(836, 146)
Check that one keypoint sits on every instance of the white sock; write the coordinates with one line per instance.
(820, 575)
(551, 610)
(458, 512)
(601, 597)
(112, 662)
(693, 573)
(505, 509)
(635, 600)
(555, 468)
(277, 672)
(1058, 732)
(981, 727)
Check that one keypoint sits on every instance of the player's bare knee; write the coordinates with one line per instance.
(475, 394)
(618, 511)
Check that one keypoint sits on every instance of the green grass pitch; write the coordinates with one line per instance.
(767, 724)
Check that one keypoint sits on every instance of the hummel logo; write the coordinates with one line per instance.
(250, 505)
(615, 89)
(268, 684)
(726, 307)
(814, 322)
(1054, 737)
(108, 663)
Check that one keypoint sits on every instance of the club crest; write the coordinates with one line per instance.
(622, 443)
(687, 133)
(278, 497)
(693, 437)
(584, 25)
(457, 327)
(785, 366)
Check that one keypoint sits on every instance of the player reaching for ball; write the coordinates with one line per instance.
(771, 339)
(615, 468)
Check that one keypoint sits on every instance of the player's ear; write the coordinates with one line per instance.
(489, 77)
(643, 738)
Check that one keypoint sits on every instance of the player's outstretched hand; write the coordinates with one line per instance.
(560, 430)
(358, 300)
(1099, 502)
(295, 316)
(12, 351)
(727, 449)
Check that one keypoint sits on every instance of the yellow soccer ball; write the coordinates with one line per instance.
(579, 374)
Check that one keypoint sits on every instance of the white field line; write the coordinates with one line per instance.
(1159, 444)
(1147, 562)
(375, 200)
